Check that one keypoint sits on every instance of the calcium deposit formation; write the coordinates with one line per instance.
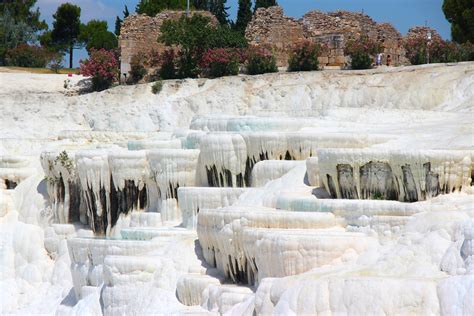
(306, 195)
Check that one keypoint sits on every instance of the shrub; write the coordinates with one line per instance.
(195, 36)
(440, 51)
(260, 61)
(56, 63)
(304, 57)
(466, 51)
(102, 66)
(219, 62)
(454, 52)
(156, 87)
(361, 60)
(224, 36)
(167, 62)
(25, 55)
(187, 65)
(154, 59)
(137, 67)
(361, 51)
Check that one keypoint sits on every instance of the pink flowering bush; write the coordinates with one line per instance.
(361, 51)
(260, 60)
(102, 66)
(418, 48)
(304, 57)
(219, 62)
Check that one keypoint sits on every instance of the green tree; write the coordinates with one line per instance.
(95, 35)
(264, 4)
(152, 7)
(244, 15)
(460, 13)
(201, 4)
(67, 28)
(23, 11)
(106, 40)
(198, 34)
(118, 25)
(19, 24)
(219, 10)
(194, 36)
(118, 21)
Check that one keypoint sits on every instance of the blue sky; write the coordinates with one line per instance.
(403, 14)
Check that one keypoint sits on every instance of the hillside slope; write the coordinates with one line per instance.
(34, 105)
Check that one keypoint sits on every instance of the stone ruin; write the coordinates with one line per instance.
(139, 34)
(271, 27)
(422, 31)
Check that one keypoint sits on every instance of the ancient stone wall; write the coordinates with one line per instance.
(270, 27)
(139, 34)
(392, 41)
(422, 31)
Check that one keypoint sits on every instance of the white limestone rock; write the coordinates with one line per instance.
(193, 199)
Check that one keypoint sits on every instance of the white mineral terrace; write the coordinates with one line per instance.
(332, 193)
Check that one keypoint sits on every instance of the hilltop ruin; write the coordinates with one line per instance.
(270, 27)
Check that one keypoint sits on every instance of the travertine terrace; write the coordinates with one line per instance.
(308, 193)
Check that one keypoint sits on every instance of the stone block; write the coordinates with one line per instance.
(323, 60)
(340, 60)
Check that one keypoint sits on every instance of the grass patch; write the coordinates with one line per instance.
(63, 71)
(156, 87)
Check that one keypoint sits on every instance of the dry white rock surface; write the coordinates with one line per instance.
(186, 202)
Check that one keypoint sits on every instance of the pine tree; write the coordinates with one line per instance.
(201, 4)
(264, 4)
(219, 10)
(244, 15)
(118, 24)
(118, 21)
(67, 28)
(125, 12)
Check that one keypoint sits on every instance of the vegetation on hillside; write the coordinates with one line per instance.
(194, 36)
(304, 57)
(102, 66)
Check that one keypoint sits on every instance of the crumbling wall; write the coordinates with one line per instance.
(270, 27)
(392, 42)
(352, 24)
(139, 34)
(422, 31)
